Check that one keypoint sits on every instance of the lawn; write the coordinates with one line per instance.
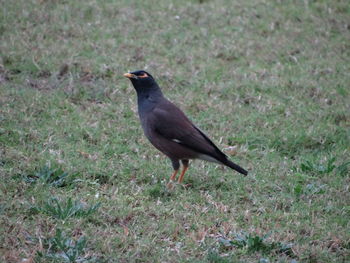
(268, 81)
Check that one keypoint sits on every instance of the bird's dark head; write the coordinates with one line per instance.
(141, 79)
(146, 87)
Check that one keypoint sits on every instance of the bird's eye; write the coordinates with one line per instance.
(143, 75)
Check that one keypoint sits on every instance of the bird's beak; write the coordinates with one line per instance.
(130, 76)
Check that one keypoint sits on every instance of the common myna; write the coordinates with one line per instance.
(170, 131)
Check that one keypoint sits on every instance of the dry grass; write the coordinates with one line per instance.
(268, 81)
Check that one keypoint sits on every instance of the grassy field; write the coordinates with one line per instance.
(267, 80)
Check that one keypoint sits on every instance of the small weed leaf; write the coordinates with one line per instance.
(64, 248)
(311, 188)
(214, 257)
(318, 168)
(330, 165)
(65, 210)
(226, 242)
(159, 191)
(343, 169)
(298, 190)
(307, 166)
(50, 176)
(255, 243)
(314, 188)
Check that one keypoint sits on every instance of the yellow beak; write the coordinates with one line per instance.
(130, 76)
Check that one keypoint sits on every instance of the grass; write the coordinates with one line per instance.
(267, 80)
(63, 249)
(64, 210)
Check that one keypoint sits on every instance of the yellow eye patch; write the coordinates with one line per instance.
(144, 75)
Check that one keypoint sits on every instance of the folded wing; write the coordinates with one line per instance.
(181, 130)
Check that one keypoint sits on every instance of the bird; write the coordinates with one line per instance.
(170, 130)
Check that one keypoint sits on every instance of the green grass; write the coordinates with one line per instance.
(267, 80)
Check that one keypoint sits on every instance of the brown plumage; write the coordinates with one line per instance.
(170, 131)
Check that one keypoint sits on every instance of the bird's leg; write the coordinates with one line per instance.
(185, 167)
(172, 177)
(176, 166)
(182, 174)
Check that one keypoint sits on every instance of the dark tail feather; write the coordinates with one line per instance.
(235, 167)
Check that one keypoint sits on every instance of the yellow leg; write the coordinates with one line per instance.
(172, 178)
(183, 173)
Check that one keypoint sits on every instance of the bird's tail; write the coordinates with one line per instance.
(235, 167)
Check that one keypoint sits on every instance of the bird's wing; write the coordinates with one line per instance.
(170, 122)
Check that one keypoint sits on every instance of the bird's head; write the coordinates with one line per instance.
(140, 79)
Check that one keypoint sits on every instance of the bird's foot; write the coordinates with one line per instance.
(170, 185)
(186, 186)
